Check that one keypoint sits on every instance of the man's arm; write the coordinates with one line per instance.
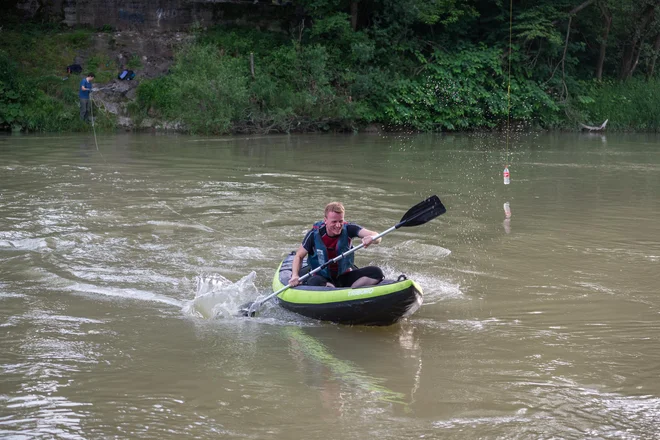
(297, 264)
(367, 237)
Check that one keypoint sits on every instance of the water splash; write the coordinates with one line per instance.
(218, 297)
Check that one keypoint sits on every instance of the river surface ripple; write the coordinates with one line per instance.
(123, 262)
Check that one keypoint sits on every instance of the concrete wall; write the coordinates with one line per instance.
(146, 15)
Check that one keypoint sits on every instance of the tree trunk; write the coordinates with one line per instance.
(576, 9)
(626, 61)
(656, 49)
(354, 14)
(636, 61)
(607, 24)
(632, 51)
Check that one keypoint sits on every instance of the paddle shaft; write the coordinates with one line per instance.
(418, 214)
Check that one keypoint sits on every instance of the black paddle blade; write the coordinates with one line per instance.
(423, 212)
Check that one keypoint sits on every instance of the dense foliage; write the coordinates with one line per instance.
(406, 64)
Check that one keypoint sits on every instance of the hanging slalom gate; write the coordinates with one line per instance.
(506, 174)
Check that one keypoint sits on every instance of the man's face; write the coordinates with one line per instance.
(333, 223)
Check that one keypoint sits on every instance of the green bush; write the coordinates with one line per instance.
(15, 94)
(212, 92)
(465, 89)
(205, 91)
(48, 114)
(325, 75)
(98, 62)
(45, 103)
(236, 41)
(293, 89)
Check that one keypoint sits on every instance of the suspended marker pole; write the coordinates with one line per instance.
(506, 174)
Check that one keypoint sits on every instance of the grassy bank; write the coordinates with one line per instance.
(333, 79)
(341, 85)
(36, 92)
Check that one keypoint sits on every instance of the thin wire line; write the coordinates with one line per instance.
(139, 189)
(508, 95)
(91, 111)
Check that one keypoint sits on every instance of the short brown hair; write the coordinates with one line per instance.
(334, 207)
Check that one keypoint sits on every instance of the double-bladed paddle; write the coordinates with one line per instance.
(419, 214)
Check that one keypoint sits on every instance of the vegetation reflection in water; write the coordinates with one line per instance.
(343, 371)
(217, 297)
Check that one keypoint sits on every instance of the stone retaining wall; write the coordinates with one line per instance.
(166, 15)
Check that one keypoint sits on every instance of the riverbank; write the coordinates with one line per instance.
(229, 80)
(44, 98)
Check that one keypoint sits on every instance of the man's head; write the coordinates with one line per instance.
(334, 207)
(90, 76)
(334, 218)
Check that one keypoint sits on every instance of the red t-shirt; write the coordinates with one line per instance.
(330, 243)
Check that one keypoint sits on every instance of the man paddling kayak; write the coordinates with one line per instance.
(331, 237)
(419, 214)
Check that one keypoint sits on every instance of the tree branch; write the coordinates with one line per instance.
(563, 57)
(575, 10)
(607, 24)
(656, 49)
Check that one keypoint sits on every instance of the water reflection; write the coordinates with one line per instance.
(507, 218)
(305, 348)
(411, 344)
(86, 148)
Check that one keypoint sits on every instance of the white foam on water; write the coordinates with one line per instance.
(4, 295)
(471, 325)
(134, 294)
(218, 297)
(436, 288)
(428, 251)
(596, 287)
(179, 225)
(294, 176)
(245, 252)
(67, 319)
(25, 244)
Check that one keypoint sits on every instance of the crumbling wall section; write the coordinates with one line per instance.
(165, 15)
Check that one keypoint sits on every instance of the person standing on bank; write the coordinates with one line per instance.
(326, 240)
(83, 94)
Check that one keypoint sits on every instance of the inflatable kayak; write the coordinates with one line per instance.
(382, 304)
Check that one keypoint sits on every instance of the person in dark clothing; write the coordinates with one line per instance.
(83, 94)
(326, 240)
